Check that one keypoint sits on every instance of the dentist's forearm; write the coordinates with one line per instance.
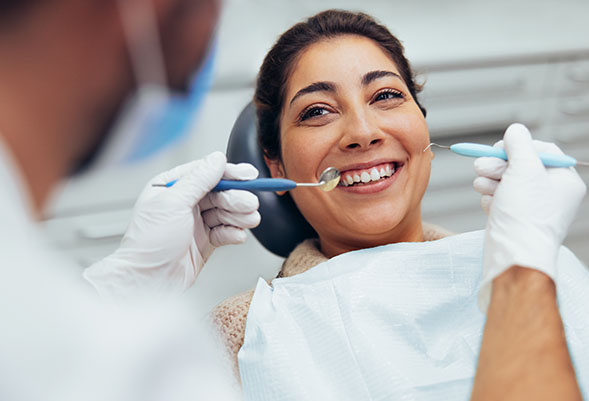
(524, 353)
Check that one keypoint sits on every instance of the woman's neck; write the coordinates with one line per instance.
(409, 230)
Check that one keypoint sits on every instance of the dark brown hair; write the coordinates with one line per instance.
(278, 64)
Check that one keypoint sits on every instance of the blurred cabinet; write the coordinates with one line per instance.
(463, 101)
(476, 105)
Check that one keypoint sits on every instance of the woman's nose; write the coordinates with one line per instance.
(360, 133)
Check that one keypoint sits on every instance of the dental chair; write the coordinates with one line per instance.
(282, 227)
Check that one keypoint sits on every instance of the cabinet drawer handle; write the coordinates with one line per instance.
(101, 232)
(578, 74)
(478, 89)
(575, 110)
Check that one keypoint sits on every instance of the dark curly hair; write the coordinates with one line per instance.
(278, 64)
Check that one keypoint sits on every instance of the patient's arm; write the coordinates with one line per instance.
(524, 353)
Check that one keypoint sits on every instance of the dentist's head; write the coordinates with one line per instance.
(69, 67)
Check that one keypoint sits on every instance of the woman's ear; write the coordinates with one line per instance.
(276, 170)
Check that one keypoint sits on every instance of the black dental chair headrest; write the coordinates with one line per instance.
(282, 227)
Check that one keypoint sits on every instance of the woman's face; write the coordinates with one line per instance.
(346, 106)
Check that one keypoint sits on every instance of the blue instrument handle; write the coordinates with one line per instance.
(259, 184)
(169, 184)
(479, 150)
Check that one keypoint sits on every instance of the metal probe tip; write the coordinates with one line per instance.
(437, 145)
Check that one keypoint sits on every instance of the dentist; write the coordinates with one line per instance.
(69, 70)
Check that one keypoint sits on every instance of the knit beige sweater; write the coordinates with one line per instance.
(229, 317)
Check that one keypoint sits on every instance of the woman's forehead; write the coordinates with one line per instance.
(344, 59)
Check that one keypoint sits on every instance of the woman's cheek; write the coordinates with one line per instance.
(305, 148)
(423, 176)
(292, 154)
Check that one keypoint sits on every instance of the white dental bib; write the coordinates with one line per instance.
(396, 322)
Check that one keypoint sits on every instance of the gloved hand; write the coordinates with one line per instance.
(489, 171)
(174, 230)
(530, 207)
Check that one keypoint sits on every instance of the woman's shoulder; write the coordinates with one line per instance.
(229, 319)
(433, 232)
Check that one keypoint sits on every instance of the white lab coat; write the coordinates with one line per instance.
(59, 341)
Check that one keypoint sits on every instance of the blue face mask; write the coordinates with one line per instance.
(154, 118)
(169, 123)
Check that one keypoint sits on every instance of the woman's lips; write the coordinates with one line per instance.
(367, 175)
(370, 180)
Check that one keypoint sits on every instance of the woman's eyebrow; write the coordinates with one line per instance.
(315, 87)
(374, 75)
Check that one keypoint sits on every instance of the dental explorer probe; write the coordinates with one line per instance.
(328, 180)
(479, 150)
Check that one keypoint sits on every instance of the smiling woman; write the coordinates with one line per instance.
(337, 90)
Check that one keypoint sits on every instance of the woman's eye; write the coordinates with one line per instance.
(387, 95)
(313, 112)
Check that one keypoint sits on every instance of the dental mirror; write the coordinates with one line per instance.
(328, 180)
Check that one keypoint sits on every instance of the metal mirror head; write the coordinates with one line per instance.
(329, 179)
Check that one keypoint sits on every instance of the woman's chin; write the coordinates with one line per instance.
(373, 228)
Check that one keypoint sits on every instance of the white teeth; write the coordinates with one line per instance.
(365, 177)
(374, 174)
